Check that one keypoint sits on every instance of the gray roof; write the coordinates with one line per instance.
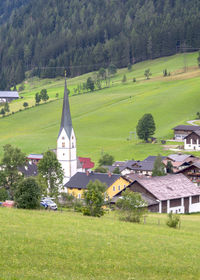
(80, 179)
(187, 127)
(153, 158)
(143, 166)
(178, 157)
(169, 186)
(10, 94)
(29, 170)
(66, 121)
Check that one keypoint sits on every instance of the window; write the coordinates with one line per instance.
(114, 188)
(79, 196)
(118, 188)
(72, 145)
(63, 154)
(63, 138)
(63, 144)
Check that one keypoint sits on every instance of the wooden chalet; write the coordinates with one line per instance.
(192, 141)
(181, 131)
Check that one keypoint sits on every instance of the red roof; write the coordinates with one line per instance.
(86, 163)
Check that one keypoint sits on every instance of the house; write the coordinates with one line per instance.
(28, 170)
(171, 193)
(124, 166)
(78, 183)
(180, 161)
(192, 172)
(84, 164)
(144, 167)
(192, 141)
(181, 131)
(8, 96)
(34, 158)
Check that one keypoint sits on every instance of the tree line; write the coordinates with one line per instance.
(45, 37)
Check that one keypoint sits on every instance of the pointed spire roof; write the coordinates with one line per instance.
(66, 121)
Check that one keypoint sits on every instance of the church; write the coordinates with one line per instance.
(66, 142)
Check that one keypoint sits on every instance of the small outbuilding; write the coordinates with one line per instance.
(8, 96)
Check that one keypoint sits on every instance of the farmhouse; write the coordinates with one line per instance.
(181, 131)
(170, 193)
(192, 172)
(78, 183)
(192, 141)
(180, 161)
(144, 167)
(8, 96)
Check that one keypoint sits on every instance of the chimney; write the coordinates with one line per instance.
(109, 174)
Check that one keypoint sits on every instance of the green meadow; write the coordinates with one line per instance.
(105, 120)
(65, 245)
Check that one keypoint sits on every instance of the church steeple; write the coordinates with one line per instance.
(66, 142)
(66, 121)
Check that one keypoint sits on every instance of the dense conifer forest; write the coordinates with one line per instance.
(84, 35)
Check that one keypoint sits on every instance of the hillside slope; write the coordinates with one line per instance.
(104, 119)
(48, 36)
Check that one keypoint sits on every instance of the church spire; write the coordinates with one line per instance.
(66, 121)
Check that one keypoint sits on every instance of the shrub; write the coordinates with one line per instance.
(173, 220)
(134, 80)
(3, 194)
(131, 207)
(101, 169)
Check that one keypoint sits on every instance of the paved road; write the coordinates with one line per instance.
(192, 122)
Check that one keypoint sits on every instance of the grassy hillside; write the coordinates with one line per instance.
(45, 245)
(104, 119)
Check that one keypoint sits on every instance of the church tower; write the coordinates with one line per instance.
(66, 142)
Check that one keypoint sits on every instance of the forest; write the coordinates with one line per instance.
(42, 38)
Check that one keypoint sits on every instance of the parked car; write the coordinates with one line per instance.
(8, 203)
(48, 203)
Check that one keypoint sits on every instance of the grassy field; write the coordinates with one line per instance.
(104, 119)
(46, 245)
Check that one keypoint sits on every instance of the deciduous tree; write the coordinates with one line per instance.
(50, 169)
(146, 127)
(12, 159)
(106, 159)
(94, 199)
(28, 194)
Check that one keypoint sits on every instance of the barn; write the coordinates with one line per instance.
(8, 96)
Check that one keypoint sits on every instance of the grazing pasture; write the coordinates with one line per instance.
(105, 120)
(47, 245)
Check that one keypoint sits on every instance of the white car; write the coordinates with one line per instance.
(48, 203)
